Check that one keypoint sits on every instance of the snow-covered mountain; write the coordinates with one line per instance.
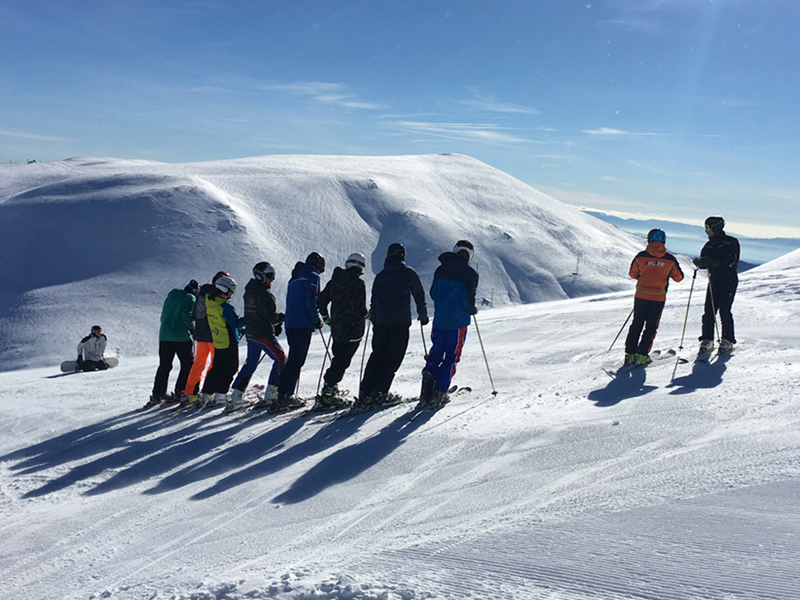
(675, 482)
(101, 241)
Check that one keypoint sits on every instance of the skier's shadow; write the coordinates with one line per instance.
(84, 442)
(349, 462)
(228, 460)
(628, 383)
(703, 376)
(130, 451)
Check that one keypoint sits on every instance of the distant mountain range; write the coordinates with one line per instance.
(689, 239)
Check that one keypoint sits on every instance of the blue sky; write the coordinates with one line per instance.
(676, 108)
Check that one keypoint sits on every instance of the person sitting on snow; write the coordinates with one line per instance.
(90, 351)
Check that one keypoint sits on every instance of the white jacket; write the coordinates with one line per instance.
(92, 347)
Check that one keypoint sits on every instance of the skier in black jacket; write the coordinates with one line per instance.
(263, 325)
(390, 310)
(347, 295)
(720, 256)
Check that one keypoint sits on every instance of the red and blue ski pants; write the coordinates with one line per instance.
(445, 352)
(255, 346)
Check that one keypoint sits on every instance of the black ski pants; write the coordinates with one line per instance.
(166, 355)
(299, 341)
(389, 344)
(92, 365)
(343, 352)
(646, 315)
(219, 377)
(719, 298)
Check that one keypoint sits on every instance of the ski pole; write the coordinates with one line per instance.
(686, 318)
(422, 331)
(488, 370)
(325, 342)
(620, 331)
(713, 307)
(363, 356)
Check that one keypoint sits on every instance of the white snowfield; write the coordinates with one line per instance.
(679, 481)
(675, 482)
(102, 241)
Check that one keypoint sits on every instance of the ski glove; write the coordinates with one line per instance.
(280, 318)
(278, 328)
(327, 320)
(424, 320)
(703, 262)
(319, 325)
(471, 310)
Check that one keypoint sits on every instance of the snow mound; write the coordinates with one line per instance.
(101, 241)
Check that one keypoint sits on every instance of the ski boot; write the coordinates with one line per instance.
(706, 347)
(426, 393)
(329, 397)
(236, 402)
(725, 346)
(630, 359)
(439, 399)
(642, 360)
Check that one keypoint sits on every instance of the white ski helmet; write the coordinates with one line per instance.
(226, 284)
(356, 261)
(466, 247)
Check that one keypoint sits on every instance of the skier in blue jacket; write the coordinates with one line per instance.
(302, 318)
(453, 294)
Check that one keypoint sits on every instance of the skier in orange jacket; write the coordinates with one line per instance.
(652, 268)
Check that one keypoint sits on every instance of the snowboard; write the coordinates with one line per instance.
(70, 366)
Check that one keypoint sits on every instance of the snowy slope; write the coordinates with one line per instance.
(102, 241)
(676, 482)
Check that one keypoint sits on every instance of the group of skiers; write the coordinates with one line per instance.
(200, 326)
(654, 267)
(204, 313)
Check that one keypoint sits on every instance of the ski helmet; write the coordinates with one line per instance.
(464, 245)
(715, 224)
(396, 251)
(218, 275)
(656, 235)
(192, 287)
(356, 261)
(316, 261)
(226, 284)
(263, 271)
(96, 328)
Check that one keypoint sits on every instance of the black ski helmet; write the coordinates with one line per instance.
(715, 224)
(96, 328)
(263, 271)
(316, 261)
(192, 287)
(656, 235)
(396, 250)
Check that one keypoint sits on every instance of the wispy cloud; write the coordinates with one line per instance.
(490, 104)
(607, 131)
(463, 131)
(327, 93)
(32, 136)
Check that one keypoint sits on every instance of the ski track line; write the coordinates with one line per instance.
(645, 564)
